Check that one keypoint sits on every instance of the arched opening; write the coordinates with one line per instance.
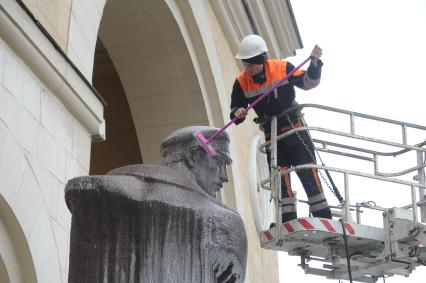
(16, 263)
(4, 277)
(158, 80)
(121, 146)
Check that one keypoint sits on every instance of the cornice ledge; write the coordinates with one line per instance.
(271, 19)
(23, 36)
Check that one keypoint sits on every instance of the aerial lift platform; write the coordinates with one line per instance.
(347, 249)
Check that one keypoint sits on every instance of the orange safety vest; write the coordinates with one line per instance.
(275, 70)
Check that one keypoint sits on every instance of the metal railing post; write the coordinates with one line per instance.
(421, 179)
(275, 178)
(358, 213)
(404, 134)
(346, 206)
(414, 203)
(347, 150)
(352, 124)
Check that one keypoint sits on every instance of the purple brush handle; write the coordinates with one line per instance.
(271, 88)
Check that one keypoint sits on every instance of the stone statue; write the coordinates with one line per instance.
(144, 223)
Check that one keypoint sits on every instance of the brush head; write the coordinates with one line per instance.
(204, 143)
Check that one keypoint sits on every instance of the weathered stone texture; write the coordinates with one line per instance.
(145, 223)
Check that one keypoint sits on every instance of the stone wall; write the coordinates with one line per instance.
(41, 147)
(53, 16)
(83, 30)
(73, 24)
(44, 140)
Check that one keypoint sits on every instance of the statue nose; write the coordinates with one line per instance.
(223, 175)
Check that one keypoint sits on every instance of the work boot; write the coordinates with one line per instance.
(288, 216)
(323, 213)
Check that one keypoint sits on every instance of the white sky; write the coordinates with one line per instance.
(374, 63)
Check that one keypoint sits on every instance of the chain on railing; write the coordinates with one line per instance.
(332, 189)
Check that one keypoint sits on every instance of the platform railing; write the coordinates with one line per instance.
(356, 153)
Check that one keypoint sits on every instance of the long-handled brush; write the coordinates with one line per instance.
(206, 143)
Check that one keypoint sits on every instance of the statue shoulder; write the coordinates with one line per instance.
(140, 182)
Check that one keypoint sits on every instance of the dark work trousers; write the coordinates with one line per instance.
(292, 152)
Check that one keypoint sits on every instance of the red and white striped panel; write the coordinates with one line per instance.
(319, 224)
(324, 225)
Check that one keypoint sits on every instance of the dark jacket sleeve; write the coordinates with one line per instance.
(312, 79)
(314, 72)
(237, 101)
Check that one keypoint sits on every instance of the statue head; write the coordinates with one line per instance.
(181, 151)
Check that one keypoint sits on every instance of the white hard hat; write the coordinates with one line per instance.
(251, 46)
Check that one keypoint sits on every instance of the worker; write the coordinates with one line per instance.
(258, 75)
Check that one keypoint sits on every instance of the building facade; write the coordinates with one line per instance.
(88, 86)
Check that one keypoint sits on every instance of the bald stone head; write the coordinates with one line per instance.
(181, 151)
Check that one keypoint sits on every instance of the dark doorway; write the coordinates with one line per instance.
(121, 146)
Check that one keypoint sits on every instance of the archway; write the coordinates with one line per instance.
(16, 264)
(4, 276)
(121, 146)
(155, 69)
(158, 53)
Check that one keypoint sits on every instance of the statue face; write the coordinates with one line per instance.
(210, 172)
(181, 151)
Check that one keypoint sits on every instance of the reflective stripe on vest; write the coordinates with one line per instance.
(275, 70)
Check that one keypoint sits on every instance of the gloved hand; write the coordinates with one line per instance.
(241, 113)
(315, 55)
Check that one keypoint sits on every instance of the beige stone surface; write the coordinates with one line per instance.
(54, 16)
(34, 49)
(177, 69)
(15, 259)
(84, 23)
(41, 146)
(164, 83)
(262, 264)
(121, 147)
(155, 69)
